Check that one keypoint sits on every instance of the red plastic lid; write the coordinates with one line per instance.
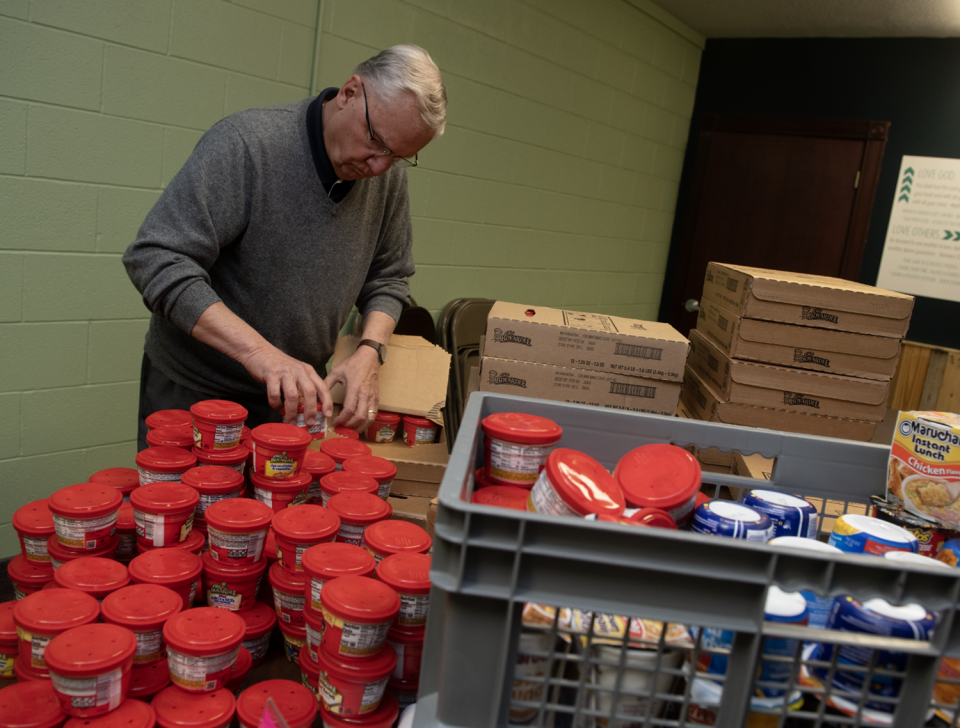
(406, 636)
(233, 456)
(34, 519)
(166, 459)
(29, 573)
(125, 519)
(329, 560)
(238, 515)
(177, 708)
(360, 598)
(141, 607)
(306, 524)
(296, 703)
(341, 448)
(394, 537)
(241, 668)
(483, 480)
(316, 463)
(502, 496)
(372, 669)
(340, 481)
(204, 631)
(92, 574)
(405, 573)
(403, 686)
(85, 500)
(162, 418)
(292, 631)
(123, 479)
(213, 479)
(221, 570)
(171, 436)
(380, 469)
(517, 427)
(90, 650)
(193, 542)
(655, 517)
(165, 498)
(23, 672)
(8, 628)
(282, 580)
(260, 619)
(219, 412)
(147, 681)
(390, 418)
(278, 436)
(658, 475)
(300, 480)
(270, 546)
(30, 705)
(583, 483)
(346, 432)
(59, 553)
(417, 421)
(383, 717)
(130, 714)
(359, 508)
(165, 566)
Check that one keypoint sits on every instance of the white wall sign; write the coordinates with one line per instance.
(921, 254)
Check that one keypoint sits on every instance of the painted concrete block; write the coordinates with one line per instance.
(138, 23)
(116, 350)
(296, 54)
(40, 356)
(248, 92)
(13, 137)
(28, 479)
(177, 145)
(47, 215)
(9, 425)
(74, 287)
(11, 287)
(303, 12)
(121, 212)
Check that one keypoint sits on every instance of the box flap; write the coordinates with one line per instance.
(424, 463)
(842, 342)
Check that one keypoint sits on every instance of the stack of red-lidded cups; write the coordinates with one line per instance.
(318, 430)
(218, 431)
(31, 570)
(380, 469)
(234, 565)
(42, 616)
(278, 476)
(85, 522)
(339, 449)
(126, 480)
(213, 483)
(318, 465)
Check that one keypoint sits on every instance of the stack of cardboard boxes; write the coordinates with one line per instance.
(794, 352)
(584, 358)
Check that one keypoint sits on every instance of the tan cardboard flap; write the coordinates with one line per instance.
(411, 509)
(414, 488)
(413, 380)
(424, 463)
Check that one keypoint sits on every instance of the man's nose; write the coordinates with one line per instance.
(379, 164)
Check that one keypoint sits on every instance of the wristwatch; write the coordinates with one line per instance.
(381, 349)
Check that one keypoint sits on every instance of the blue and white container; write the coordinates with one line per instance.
(790, 515)
(785, 608)
(864, 535)
(911, 559)
(732, 520)
(818, 607)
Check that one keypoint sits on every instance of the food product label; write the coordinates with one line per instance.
(398, 648)
(849, 538)
(298, 556)
(334, 700)
(208, 499)
(219, 595)
(289, 607)
(193, 592)
(85, 533)
(6, 664)
(545, 500)
(376, 557)
(318, 428)
(148, 476)
(314, 494)
(258, 647)
(350, 533)
(55, 564)
(226, 437)
(35, 549)
(150, 646)
(515, 462)
(38, 645)
(306, 683)
(127, 545)
(201, 673)
(17, 594)
(316, 586)
(162, 529)
(314, 638)
(385, 434)
(421, 435)
(384, 490)
(243, 547)
(292, 646)
(280, 466)
(357, 639)
(413, 610)
(91, 692)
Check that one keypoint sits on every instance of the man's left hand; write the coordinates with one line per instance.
(360, 376)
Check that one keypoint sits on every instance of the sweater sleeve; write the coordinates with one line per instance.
(203, 209)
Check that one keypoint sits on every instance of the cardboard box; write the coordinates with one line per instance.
(792, 390)
(410, 508)
(705, 404)
(803, 347)
(752, 466)
(579, 386)
(585, 341)
(808, 300)
(418, 488)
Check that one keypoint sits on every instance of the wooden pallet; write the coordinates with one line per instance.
(927, 378)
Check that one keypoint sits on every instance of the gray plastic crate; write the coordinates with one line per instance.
(488, 562)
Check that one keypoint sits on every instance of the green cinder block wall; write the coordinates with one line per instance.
(554, 184)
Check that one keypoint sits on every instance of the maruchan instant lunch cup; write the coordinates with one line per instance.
(297, 704)
(202, 645)
(318, 465)
(59, 555)
(85, 515)
(30, 705)
(278, 450)
(279, 494)
(131, 714)
(288, 594)
(164, 464)
(164, 513)
(341, 448)
(409, 576)
(147, 681)
(660, 476)
(126, 533)
(789, 514)
(341, 481)
(178, 709)
(408, 644)
(9, 642)
(171, 436)
(383, 428)
(235, 458)
(298, 528)
(294, 639)
(92, 575)
(34, 525)
(28, 577)
(241, 668)
(213, 483)
(357, 614)
(380, 469)
(143, 609)
(125, 480)
(502, 496)
(516, 446)
(217, 424)
(232, 587)
(330, 561)
(42, 616)
(354, 687)
(357, 511)
(574, 484)
(732, 520)
(175, 569)
(164, 418)
(318, 430)
(90, 668)
(856, 534)
(386, 538)
(237, 530)
(260, 621)
(418, 431)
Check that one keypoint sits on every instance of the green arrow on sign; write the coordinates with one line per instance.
(908, 180)
(904, 198)
(948, 235)
(905, 188)
(909, 170)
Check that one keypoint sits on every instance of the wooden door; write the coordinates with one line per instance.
(785, 194)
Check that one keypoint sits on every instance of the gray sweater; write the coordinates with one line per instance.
(247, 222)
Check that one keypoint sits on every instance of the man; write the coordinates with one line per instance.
(280, 221)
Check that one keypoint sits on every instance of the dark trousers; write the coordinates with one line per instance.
(157, 392)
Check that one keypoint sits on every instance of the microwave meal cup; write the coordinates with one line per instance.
(409, 576)
(85, 515)
(31, 705)
(148, 680)
(231, 586)
(237, 530)
(280, 494)
(163, 513)
(298, 528)
(383, 717)
(164, 464)
(288, 594)
(318, 430)
(278, 450)
(171, 436)
(163, 418)
(143, 609)
(178, 709)
(217, 424)
(357, 511)
(9, 642)
(175, 569)
(516, 446)
(318, 465)
(294, 640)
(59, 555)
(340, 481)
(408, 644)
(132, 713)
(33, 523)
(380, 469)
(296, 703)
(354, 688)
(386, 538)
(28, 577)
(23, 673)
(260, 620)
(383, 428)
(92, 575)
(357, 613)
(241, 668)
(213, 483)
(194, 543)
(235, 458)
(341, 448)
(418, 431)
(660, 476)
(202, 646)
(574, 484)
(125, 480)
(328, 561)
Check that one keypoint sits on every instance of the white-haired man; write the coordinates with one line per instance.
(280, 221)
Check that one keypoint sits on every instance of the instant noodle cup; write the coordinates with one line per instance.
(346, 432)
(331, 561)
(380, 469)
(34, 525)
(298, 528)
(408, 644)
(143, 609)
(930, 536)
(85, 515)
(178, 709)
(164, 513)
(126, 533)
(279, 494)
(59, 555)
(90, 668)
(171, 436)
(502, 496)
(259, 620)
(213, 483)
(357, 511)
(357, 614)
(516, 446)
(164, 464)
(92, 575)
(309, 671)
(217, 424)
(297, 704)
(386, 538)
(341, 481)
(354, 687)
(383, 428)
(241, 669)
(574, 484)
(126, 480)
(341, 448)
(164, 418)
(175, 569)
(148, 680)
(9, 642)
(385, 716)
(318, 465)
(278, 450)
(318, 430)
(130, 714)
(194, 543)
(294, 639)
(288, 594)
(31, 705)
(235, 458)
(202, 646)
(857, 534)
(660, 476)
(231, 586)
(418, 431)
(409, 576)
(28, 577)
(237, 530)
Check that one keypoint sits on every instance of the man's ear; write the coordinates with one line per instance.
(350, 89)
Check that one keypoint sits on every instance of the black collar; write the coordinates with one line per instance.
(335, 188)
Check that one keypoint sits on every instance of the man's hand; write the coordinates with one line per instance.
(360, 376)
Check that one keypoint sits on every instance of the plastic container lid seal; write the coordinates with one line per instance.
(85, 500)
(29, 573)
(147, 680)
(332, 560)
(30, 705)
(90, 650)
(658, 475)
(234, 456)
(278, 436)
(389, 537)
(92, 574)
(653, 517)
(161, 418)
(522, 428)
(165, 566)
(219, 411)
(342, 448)
(306, 523)
(259, 620)
(223, 570)
(165, 498)
(358, 507)
(238, 515)
(125, 479)
(296, 703)
(213, 479)
(317, 463)
(405, 573)
(583, 483)
(375, 667)
(141, 607)
(8, 628)
(34, 519)
(380, 469)
(502, 496)
(361, 599)
(131, 713)
(177, 708)
(204, 631)
(300, 480)
(341, 481)
(166, 459)
(171, 436)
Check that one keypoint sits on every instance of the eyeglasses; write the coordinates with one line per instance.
(378, 147)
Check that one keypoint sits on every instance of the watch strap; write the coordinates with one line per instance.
(374, 345)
